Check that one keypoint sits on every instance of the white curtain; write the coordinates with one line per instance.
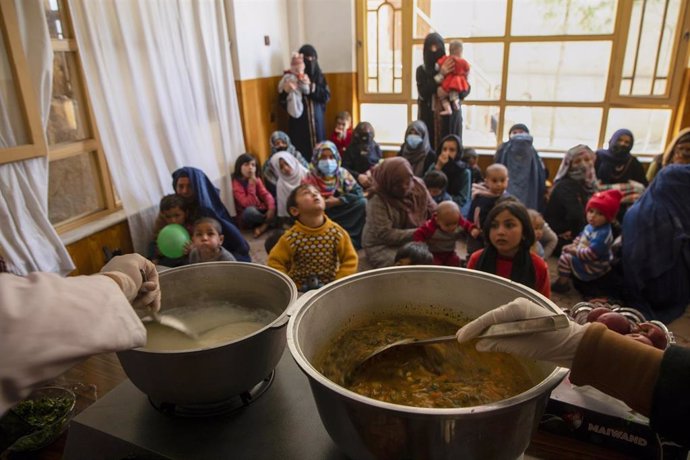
(28, 241)
(162, 87)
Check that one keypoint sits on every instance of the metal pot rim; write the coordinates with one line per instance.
(304, 303)
(278, 323)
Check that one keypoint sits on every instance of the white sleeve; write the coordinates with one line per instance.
(49, 323)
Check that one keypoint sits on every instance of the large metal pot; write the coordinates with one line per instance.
(210, 375)
(365, 428)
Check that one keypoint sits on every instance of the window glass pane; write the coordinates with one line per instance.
(67, 122)
(417, 60)
(55, 15)
(649, 126)
(384, 48)
(486, 66)
(649, 46)
(459, 18)
(73, 189)
(480, 122)
(572, 17)
(558, 71)
(557, 128)
(388, 120)
(14, 129)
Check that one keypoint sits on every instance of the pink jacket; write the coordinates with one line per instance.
(252, 194)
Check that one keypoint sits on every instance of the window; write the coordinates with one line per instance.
(573, 71)
(79, 187)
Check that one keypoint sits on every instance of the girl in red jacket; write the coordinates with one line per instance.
(255, 206)
(508, 253)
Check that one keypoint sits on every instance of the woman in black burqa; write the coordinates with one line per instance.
(309, 129)
(428, 80)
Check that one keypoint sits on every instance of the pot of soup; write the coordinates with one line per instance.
(419, 402)
(238, 312)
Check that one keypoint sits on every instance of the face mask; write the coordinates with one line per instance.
(413, 140)
(577, 173)
(620, 149)
(327, 167)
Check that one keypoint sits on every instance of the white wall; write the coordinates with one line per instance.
(328, 25)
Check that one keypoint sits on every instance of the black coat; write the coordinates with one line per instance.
(566, 207)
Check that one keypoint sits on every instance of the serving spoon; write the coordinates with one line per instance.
(167, 320)
(512, 328)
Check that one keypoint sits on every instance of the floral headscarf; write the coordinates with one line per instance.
(342, 181)
(590, 182)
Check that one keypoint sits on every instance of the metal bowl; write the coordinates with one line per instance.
(365, 428)
(212, 375)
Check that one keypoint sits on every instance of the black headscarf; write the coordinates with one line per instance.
(521, 126)
(430, 57)
(523, 269)
(455, 168)
(311, 68)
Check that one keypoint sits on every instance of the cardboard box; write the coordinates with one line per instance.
(589, 415)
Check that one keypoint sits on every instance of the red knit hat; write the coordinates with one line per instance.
(606, 202)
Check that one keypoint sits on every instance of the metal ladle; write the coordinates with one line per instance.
(172, 323)
(512, 328)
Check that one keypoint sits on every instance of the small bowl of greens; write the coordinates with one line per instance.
(40, 418)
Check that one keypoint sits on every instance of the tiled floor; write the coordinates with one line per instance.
(680, 327)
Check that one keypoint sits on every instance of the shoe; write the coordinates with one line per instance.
(560, 288)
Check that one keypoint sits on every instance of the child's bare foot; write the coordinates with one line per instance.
(260, 230)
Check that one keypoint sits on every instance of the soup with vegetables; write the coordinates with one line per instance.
(436, 376)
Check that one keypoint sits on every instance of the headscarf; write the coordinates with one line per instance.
(208, 204)
(359, 145)
(521, 126)
(656, 244)
(612, 162)
(684, 136)
(525, 169)
(286, 184)
(269, 173)
(417, 156)
(312, 68)
(430, 57)
(523, 269)
(590, 181)
(341, 182)
(455, 168)
(415, 204)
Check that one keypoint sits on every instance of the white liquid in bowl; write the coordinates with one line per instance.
(214, 324)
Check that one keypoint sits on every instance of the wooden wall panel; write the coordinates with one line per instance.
(261, 114)
(683, 114)
(87, 254)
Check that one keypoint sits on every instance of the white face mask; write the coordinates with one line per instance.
(413, 140)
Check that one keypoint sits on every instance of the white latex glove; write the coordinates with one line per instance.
(557, 347)
(127, 272)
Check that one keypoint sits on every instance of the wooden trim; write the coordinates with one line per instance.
(22, 152)
(82, 219)
(62, 151)
(64, 45)
(22, 79)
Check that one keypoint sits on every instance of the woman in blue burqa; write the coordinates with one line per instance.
(203, 200)
(526, 172)
(656, 246)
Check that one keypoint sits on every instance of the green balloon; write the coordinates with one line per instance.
(171, 240)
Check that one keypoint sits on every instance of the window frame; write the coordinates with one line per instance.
(39, 146)
(612, 98)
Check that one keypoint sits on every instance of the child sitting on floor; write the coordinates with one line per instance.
(469, 156)
(484, 197)
(509, 239)
(172, 210)
(545, 238)
(414, 253)
(342, 134)
(207, 243)
(589, 255)
(315, 250)
(255, 205)
(436, 183)
(442, 231)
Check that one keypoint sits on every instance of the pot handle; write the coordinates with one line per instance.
(294, 308)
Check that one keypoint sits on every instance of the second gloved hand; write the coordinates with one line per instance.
(558, 347)
(127, 272)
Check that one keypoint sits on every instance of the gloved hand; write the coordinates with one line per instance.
(557, 347)
(127, 272)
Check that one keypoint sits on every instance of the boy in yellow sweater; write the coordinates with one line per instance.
(315, 250)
